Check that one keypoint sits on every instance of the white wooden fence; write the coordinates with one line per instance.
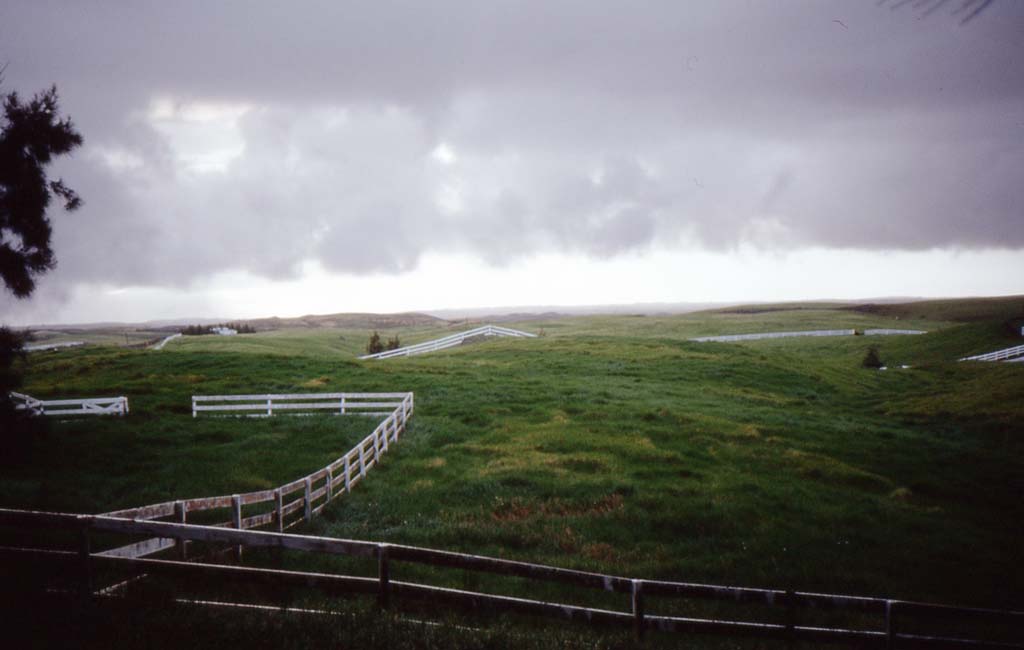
(1006, 354)
(887, 332)
(164, 341)
(39, 347)
(315, 490)
(772, 335)
(449, 341)
(79, 406)
(265, 405)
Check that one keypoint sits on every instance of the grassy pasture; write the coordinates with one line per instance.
(610, 444)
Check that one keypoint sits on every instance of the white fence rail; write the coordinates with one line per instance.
(164, 341)
(449, 341)
(1006, 354)
(265, 405)
(772, 335)
(39, 347)
(315, 490)
(80, 406)
(887, 332)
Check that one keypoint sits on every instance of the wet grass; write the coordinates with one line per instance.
(609, 444)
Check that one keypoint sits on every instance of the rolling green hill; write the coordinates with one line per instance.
(610, 443)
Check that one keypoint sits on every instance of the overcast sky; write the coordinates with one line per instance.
(248, 159)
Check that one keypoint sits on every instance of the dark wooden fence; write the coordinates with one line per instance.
(889, 612)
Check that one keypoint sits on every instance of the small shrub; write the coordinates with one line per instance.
(375, 345)
(393, 343)
(871, 359)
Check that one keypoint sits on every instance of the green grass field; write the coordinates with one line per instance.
(609, 443)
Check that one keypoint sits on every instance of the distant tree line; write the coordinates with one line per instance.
(376, 345)
(200, 330)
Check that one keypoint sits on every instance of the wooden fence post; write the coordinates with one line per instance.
(384, 430)
(362, 461)
(890, 631)
(309, 499)
(790, 618)
(343, 404)
(236, 522)
(330, 485)
(193, 406)
(348, 474)
(84, 554)
(384, 573)
(638, 609)
(180, 516)
(270, 407)
(279, 510)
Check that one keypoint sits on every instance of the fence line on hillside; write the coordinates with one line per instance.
(893, 615)
(888, 331)
(449, 341)
(40, 347)
(265, 405)
(771, 335)
(159, 345)
(317, 489)
(999, 355)
(77, 406)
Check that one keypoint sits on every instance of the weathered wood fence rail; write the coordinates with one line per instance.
(78, 406)
(314, 490)
(998, 355)
(892, 614)
(449, 341)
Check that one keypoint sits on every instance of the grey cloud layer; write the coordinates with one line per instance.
(585, 127)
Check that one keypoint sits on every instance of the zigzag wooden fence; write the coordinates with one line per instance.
(892, 618)
(314, 491)
(449, 341)
(77, 406)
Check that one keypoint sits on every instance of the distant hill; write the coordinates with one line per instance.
(953, 309)
(348, 321)
(943, 309)
(546, 312)
(312, 321)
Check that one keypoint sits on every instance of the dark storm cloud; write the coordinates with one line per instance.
(253, 136)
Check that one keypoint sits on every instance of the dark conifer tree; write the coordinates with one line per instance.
(32, 134)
